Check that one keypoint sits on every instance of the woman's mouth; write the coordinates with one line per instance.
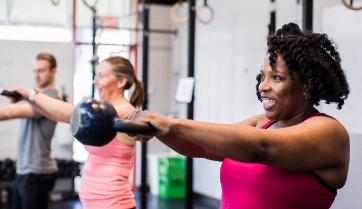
(268, 103)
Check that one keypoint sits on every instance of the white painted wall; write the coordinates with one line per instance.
(350, 195)
(347, 33)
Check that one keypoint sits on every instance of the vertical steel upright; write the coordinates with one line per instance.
(94, 46)
(272, 24)
(145, 47)
(308, 15)
(190, 106)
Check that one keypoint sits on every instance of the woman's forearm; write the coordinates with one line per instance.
(221, 139)
(187, 148)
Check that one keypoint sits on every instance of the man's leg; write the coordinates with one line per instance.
(36, 189)
(16, 202)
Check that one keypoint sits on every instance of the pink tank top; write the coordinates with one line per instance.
(104, 182)
(259, 186)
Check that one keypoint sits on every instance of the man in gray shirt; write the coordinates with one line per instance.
(35, 169)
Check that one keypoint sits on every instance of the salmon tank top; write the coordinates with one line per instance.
(104, 181)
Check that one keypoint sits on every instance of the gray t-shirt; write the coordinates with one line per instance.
(34, 143)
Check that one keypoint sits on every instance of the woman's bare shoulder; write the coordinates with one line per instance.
(124, 108)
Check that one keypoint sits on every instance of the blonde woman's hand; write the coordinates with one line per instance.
(161, 124)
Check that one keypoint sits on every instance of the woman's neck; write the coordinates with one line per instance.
(115, 99)
(297, 119)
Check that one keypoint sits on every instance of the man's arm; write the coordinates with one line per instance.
(16, 111)
(50, 107)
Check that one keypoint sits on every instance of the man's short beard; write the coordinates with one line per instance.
(46, 84)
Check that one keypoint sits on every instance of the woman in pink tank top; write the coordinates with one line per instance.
(105, 175)
(290, 157)
(104, 181)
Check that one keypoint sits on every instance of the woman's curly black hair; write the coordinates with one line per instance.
(315, 58)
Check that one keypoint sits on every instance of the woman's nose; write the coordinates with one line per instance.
(264, 85)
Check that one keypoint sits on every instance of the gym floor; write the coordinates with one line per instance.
(153, 202)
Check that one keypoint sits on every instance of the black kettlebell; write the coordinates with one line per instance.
(96, 122)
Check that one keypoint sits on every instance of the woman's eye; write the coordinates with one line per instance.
(277, 77)
(261, 77)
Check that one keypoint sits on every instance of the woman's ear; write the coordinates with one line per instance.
(305, 87)
(305, 91)
(121, 83)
